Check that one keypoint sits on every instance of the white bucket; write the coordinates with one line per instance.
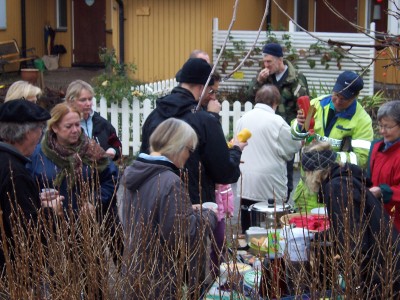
(298, 241)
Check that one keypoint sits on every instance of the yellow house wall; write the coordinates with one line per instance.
(159, 34)
(389, 75)
(278, 20)
(13, 30)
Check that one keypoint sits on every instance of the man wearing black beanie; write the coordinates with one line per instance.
(290, 83)
(212, 161)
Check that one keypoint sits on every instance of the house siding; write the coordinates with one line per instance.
(160, 41)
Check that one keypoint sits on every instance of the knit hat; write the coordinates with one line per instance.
(273, 49)
(317, 160)
(22, 111)
(195, 70)
(346, 87)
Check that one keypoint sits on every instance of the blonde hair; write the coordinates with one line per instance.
(75, 88)
(58, 112)
(171, 137)
(314, 179)
(22, 89)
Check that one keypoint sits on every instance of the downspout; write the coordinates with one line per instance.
(23, 28)
(121, 32)
(268, 23)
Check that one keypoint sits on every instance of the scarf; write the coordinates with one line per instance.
(70, 159)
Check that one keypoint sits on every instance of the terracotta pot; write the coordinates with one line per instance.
(30, 75)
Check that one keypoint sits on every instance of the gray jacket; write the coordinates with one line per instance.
(163, 234)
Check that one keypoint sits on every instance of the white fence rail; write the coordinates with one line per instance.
(128, 119)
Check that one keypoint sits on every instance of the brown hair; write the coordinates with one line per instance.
(58, 112)
(268, 94)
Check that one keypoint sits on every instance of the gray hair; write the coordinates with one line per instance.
(268, 94)
(75, 88)
(171, 137)
(15, 133)
(390, 110)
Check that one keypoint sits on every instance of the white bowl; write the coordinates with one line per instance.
(210, 205)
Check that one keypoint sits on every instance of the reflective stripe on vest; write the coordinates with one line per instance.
(353, 158)
(334, 142)
(361, 144)
(343, 157)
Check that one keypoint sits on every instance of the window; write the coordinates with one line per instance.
(3, 14)
(301, 13)
(61, 14)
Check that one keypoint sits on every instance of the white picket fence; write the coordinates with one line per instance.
(128, 119)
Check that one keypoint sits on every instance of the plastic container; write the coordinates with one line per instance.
(231, 268)
(30, 75)
(298, 242)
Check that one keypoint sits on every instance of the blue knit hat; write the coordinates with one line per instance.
(273, 49)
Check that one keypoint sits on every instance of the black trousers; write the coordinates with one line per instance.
(290, 169)
(245, 214)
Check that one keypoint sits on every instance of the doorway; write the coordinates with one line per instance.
(89, 19)
(327, 21)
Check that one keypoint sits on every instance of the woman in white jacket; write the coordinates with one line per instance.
(264, 174)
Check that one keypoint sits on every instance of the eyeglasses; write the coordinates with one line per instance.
(387, 128)
(190, 149)
(214, 92)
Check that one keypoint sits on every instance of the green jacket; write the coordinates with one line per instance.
(350, 135)
(291, 86)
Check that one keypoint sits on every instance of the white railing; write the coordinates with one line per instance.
(128, 119)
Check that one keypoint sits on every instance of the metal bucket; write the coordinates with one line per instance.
(268, 214)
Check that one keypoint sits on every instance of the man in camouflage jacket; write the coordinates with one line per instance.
(290, 83)
(281, 73)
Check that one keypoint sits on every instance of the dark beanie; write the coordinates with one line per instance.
(195, 70)
(22, 111)
(317, 160)
(273, 49)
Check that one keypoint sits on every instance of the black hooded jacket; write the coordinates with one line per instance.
(354, 209)
(212, 162)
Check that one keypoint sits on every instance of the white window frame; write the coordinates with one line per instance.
(61, 14)
(3, 15)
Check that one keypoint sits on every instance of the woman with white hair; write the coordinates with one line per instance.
(23, 89)
(157, 215)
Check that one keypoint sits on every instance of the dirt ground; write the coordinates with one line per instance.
(58, 79)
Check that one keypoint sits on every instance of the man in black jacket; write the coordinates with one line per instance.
(21, 125)
(212, 161)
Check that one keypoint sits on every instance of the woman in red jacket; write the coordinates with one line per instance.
(384, 160)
